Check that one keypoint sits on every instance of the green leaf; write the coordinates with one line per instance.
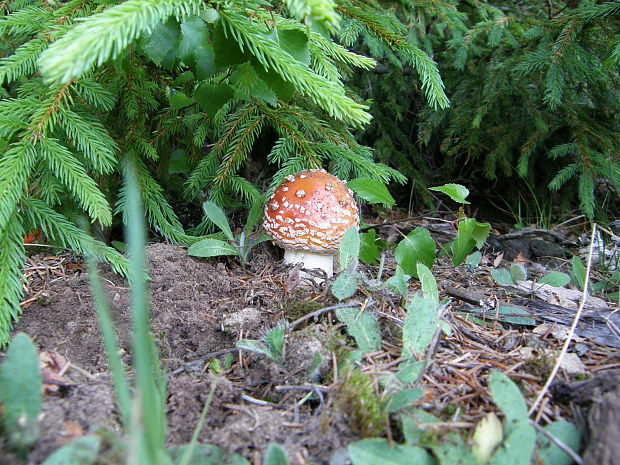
(579, 273)
(275, 455)
(255, 215)
(369, 250)
(178, 162)
(161, 44)
(398, 282)
(194, 48)
(456, 192)
(179, 100)
(376, 451)
(294, 41)
(429, 285)
(470, 234)
(205, 454)
(410, 421)
(274, 340)
(454, 451)
(344, 286)
(82, 451)
(20, 392)
(556, 279)
(211, 248)
(417, 247)
(509, 399)
(349, 248)
(258, 347)
(372, 191)
(363, 326)
(404, 398)
(212, 97)
(473, 260)
(549, 453)
(502, 276)
(517, 316)
(518, 446)
(420, 325)
(217, 216)
(517, 272)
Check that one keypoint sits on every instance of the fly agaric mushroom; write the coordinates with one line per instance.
(307, 216)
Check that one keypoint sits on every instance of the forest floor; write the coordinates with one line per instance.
(201, 307)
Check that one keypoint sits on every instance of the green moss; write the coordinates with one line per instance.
(296, 309)
(366, 409)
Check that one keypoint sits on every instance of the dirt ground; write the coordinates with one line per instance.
(201, 307)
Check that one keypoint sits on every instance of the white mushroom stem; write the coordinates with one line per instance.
(310, 260)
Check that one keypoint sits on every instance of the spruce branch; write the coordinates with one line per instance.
(12, 258)
(105, 35)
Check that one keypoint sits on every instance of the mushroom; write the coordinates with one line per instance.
(307, 215)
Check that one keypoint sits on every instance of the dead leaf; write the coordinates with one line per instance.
(498, 260)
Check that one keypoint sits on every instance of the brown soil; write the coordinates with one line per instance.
(201, 307)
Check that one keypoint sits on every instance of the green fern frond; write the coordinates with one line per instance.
(12, 258)
(105, 35)
(74, 176)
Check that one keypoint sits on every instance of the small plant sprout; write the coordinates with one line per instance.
(307, 216)
(240, 245)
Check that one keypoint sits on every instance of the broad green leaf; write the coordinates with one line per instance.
(517, 272)
(410, 421)
(226, 50)
(255, 215)
(180, 100)
(258, 347)
(274, 340)
(404, 398)
(275, 455)
(398, 282)
(517, 316)
(502, 276)
(218, 217)
(549, 453)
(178, 162)
(20, 392)
(454, 451)
(579, 273)
(487, 437)
(372, 191)
(161, 44)
(205, 62)
(82, 451)
(212, 97)
(509, 399)
(369, 250)
(293, 41)
(410, 371)
(363, 327)
(375, 451)
(211, 248)
(247, 81)
(417, 247)
(429, 285)
(518, 446)
(470, 234)
(456, 192)
(349, 248)
(194, 37)
(344, 286)
(210, 15)
(420, 325)
(205, 454)
(555, 279)
(473, 260)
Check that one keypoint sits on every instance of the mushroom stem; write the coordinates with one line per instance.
(310, 260)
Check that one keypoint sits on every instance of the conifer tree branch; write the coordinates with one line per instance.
(105, 35)
(12, 258)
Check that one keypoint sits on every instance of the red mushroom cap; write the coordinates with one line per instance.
(310, 210)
